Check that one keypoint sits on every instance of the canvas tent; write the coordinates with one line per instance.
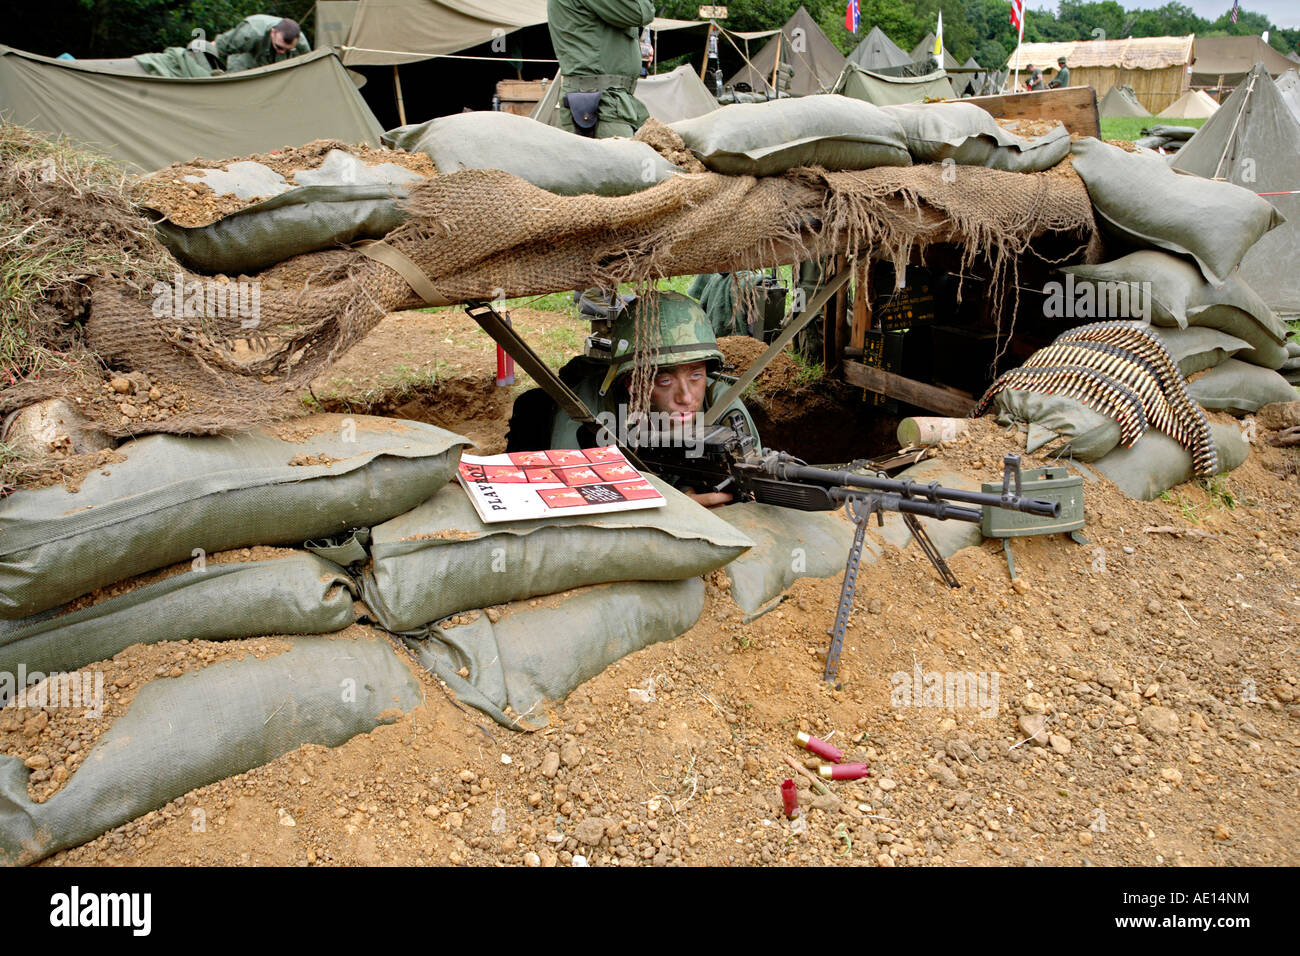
(1288, 84)
(882, 90)
(672, 96)
(924, 51)
(880, 54)
(1225, 61)
(333, 22)
(1157, 68)
(1194, 104)
(1253, 141)
(152, 121)
(803, 46)
(1120, 101)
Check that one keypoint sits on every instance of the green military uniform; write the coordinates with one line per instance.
(598, 45)
(1062, 78)
(249, 44)
(685, 336)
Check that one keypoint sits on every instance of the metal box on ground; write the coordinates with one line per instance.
(1051, 483)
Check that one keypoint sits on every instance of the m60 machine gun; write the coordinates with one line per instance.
(726, 457)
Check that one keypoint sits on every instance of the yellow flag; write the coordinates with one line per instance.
(938, 37)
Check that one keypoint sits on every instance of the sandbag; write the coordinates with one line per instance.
(1240, 389)
(341, 201)
(280, 484)
(186, 732)
(302, 594)
(440, 558)
(1156, 462)
(539, 651)
(543, 155)
(969, 136)
(1198, 348)
(1176, 133)
(1174, 293)
(1090, 434)
(765, 139)
(1140, 201)
(788, 545)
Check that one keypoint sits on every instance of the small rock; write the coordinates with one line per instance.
(959, 749)
(455, 820)
(1100, 627)
(876, 606)
(1158, 720)
(826, 802)
(1172, 774)
(1060, 744)
(590, 831)
(532, 859)
(285, 819)
(1034, 728)
(1223, 832)
(550, 765)
(154, 395)
(1034, 703)
(1250, 730)
(886, 784)
(129, 410)
(942, 775)
(571, 754)
(1020, 586)
(37, 762)
(120, 385)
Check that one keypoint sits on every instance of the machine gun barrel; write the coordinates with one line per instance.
(916, 492)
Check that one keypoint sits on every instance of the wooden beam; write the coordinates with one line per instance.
(1075, 106)
(921, 394)
(861, 307)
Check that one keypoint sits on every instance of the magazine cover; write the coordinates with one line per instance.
(524, 485)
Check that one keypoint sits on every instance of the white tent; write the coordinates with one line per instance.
(1194, 104)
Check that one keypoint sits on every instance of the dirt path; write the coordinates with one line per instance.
(1160, 664)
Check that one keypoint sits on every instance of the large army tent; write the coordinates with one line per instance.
(1194, 104)
(1157, 68)
(924, 51)
(152, 121)
(676, 95)
(333, 22)
(1225, 61)
(884, 90)
(1253, 141)
(880, 54)
(1288, 84)
(816, 61)
(386, 32)
(1120, 101)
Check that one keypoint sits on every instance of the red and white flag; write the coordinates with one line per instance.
(1017, 14)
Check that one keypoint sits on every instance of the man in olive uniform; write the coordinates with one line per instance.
(261, 40)
(685, 383)
(1062, 77)
(598, 45)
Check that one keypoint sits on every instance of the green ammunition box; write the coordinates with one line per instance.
(1054, 484)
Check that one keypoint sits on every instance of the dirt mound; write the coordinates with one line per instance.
(196, 204)
(1028, 128)
(665, 141)
(781, 375)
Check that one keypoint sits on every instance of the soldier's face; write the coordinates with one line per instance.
(279, 43)
(679, 390)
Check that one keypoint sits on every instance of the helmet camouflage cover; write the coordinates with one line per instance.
(684, 333)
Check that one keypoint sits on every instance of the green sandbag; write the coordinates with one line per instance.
(1197, 348)
(1089, 433)
(535, 654)
(766, 139)
(302, 594)
(968, 136)
(186, 732)
(441, 559)
(543, 155)
(1156, 462)
(173, 495)
(1292, 348)
(788, 545)
(1240, 389)
(1174, 293)
(1139, 200)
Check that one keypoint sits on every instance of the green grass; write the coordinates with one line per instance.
(1129, 128)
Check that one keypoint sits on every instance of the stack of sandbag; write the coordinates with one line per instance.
(272, 217)
(1290, 369)
(967, 135)
(1112, 393)
(514, 614)
(1166, 137)
(196, 540)
(548, 157)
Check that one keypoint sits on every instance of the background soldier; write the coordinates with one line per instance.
(261, 40)
(598, 45)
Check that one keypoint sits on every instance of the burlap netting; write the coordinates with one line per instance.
(488, 235)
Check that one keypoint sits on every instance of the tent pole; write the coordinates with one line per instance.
(777, 67)
(704, 61)
(397, 88)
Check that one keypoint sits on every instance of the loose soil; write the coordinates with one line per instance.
(196, 204)
(1156, 665)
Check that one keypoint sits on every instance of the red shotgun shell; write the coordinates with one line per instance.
(820, 747)
(789, 797)
(845, 771)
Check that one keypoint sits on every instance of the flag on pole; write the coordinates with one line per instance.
(1018, 14)
(852, 16)
(938, 39)
(1234, 11)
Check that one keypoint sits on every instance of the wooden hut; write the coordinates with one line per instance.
(1157, 68)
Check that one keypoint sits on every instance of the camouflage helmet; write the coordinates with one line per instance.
(685, 334)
